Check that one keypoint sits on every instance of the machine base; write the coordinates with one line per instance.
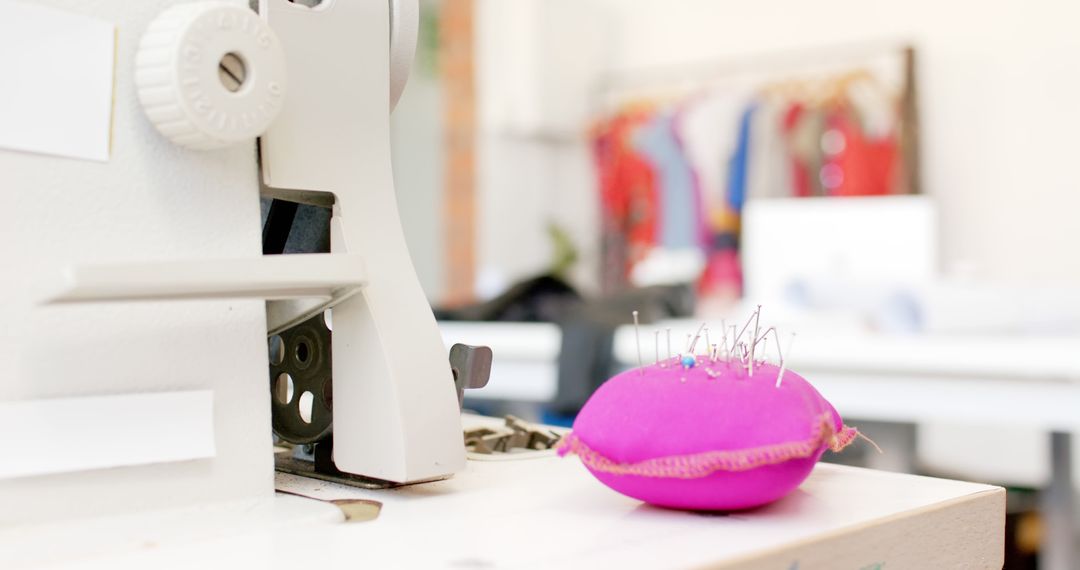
(286, 462)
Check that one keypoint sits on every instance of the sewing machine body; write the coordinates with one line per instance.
(170, 237)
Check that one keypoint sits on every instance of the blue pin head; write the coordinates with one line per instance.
(689, 361)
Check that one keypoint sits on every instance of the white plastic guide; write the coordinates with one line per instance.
(396, 414)
(316, 275)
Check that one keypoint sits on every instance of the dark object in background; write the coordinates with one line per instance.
(545, 298)
(586, 357)
(588, 325)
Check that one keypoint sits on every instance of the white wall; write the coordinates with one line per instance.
(536, 62)
(999, 85)
(152, 200)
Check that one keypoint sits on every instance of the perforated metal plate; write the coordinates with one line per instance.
(301, 384)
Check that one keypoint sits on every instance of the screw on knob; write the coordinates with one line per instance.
(232, 72)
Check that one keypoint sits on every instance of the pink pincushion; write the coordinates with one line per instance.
(705, 437)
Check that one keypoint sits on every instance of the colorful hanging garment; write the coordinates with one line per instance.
(739, 168)
(855, 165)
(705, 126)
(682, 225)
(628, 198)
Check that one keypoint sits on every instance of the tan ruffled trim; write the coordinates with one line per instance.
(706, 463)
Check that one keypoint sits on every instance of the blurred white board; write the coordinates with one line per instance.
(882, 241)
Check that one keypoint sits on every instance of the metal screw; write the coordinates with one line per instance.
(232, 72)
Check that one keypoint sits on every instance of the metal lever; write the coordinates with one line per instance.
(471, 366)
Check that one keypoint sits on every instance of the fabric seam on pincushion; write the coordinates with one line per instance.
(703, 464)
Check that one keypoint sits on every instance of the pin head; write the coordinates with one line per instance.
(689, 361)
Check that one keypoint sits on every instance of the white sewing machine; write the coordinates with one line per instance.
(196, 83)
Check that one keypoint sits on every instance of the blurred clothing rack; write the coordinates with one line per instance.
(675, 81)
(790, 59)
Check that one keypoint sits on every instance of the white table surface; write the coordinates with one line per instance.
(532, 513)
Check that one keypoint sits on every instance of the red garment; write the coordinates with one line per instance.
(800, 171)
(864, 167)
(628, 193)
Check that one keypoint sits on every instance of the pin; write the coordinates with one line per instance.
(668, 330)
(783, 362)
(637, 337)
(714, 354)
(765, 347)
(693, 344)
(707, 343)
(723, 338)
(656, 346)
(737, 338)
(754, 338)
